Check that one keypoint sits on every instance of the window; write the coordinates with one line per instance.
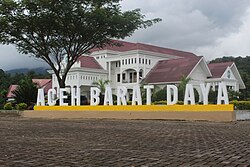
(142, 61)
(118, 78)
(126, 61)
(122, 62)
(135, 60)
(115, 64)
(132, 61)
(146, 61)
(149, 61)
(123, 76)
(139, 60)
(228, 74)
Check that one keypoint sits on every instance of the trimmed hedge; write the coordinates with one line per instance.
(162, 102)
(241, 105)
(21, 106)
(8, 106)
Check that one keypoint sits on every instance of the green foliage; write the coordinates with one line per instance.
(26, 92)
(21, 106)
(182, 87)
(162, 102)
(51, 30)
(8, 106)
(159, 95)
(241, 105)
(101, 84)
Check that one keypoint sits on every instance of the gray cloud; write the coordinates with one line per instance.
(213, 28)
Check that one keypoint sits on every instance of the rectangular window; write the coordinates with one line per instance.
(139, 60)
(149, 61)
(146, 61)
(118, 78)
(135, 60)
(142, 61)
(122, 62)
(123, 76)
(128, 61)
(132, 61)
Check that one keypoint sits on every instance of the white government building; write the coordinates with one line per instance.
(136, 63)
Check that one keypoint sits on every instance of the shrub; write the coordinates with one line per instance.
(8, 106)
(241, 105)
(180, 102)
(162, 102)
(21, 106)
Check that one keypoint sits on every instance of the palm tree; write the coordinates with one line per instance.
(182, 86)
(26, 92)
(101, 84)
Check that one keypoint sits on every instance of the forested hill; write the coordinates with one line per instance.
(243, 65)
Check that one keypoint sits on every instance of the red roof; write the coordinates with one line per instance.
(171, 70)
(12, 88)
(128, 46)
(46, 84)
(218, 69)
(89, 62)
(41, 82)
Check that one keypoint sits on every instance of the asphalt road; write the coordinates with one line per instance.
(43, 142)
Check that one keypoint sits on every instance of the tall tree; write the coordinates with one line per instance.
(54, 30)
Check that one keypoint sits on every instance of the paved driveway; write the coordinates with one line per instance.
(43, 142)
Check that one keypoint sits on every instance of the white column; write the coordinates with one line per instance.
(137, 76)
(109, 64)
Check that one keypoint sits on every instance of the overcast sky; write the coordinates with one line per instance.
(211, 28)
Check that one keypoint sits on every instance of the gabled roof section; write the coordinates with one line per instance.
(89, 62)
(129, 46)
(12, 88)
(167, 71)
(41, 82)
(218, 69)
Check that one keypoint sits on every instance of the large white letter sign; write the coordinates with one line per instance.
(172, 91)
(62, 97)
(75, 96)
(204, 92)
(189, 95)
(108, 99)
(222, 94)
(51, 97)
(94, 96)
(136, 98)
(149, 94)
(40, 98)
(121, 95)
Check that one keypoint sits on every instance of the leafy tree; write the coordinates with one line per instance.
(26, 92)
(55, 30)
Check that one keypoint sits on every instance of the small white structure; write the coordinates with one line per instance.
(135, 63)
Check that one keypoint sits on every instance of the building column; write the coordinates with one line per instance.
(137, 76)
(109, 67)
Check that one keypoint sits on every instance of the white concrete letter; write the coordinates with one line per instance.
(94, 96)
(189, 95)
(204, 92)
(149, 93)
(40, 98)
(136, 98)
(62, 97)
(108, 99)
(75, 96)
(172, 90)
(222, 94)
(121, 95)
(51, 97)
